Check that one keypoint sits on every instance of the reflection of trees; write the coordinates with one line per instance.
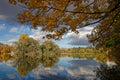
(49, 60)
(25, 64)
(109, 72)
(5, 57)
(101, 57)
(105, 72)
(50, 52)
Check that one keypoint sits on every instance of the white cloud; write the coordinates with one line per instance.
(14, 30)
(38, 35)
(1, 27)
(10, 42)
(80, 38)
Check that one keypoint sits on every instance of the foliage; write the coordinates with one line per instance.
(5, 57)
(50, 47)
(101, 57)
(25, 64)
(63, 15)
(75, 50)
(26, 45)
(107, 35)
(105, 72)
(4, 52)
(6, 49)
(49, 60)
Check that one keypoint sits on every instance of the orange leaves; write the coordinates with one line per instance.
(6, 49)
(50, 14)
(21, 18)
(36, 3)
(73, 24)
(24, 17)
(95, 16)
(25, 39)
(28, 14)
(59, 4)
(35, 21)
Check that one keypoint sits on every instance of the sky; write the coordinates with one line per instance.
(10, 29)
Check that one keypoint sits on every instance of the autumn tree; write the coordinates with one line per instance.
(26, 45)
(6, 49)
(107, 36)
(50, 47)
(50, 53)
(60, 16)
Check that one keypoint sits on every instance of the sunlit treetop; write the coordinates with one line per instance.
(60, 16)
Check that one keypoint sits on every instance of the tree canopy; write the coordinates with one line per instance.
(26, 45)
(60, 16)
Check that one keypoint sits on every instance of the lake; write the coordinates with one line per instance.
(66, 68)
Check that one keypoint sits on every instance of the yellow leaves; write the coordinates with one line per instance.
(35, 22)
(50, 14)
(21, 18)
(59, 4)
(67, 18)
(73, 24)
(95, 16)
(36, 3)
(28, 14)
(6, 49)
(23, 38)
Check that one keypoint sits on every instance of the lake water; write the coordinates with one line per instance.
(65, 69)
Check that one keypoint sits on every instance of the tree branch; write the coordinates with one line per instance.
(97, 21)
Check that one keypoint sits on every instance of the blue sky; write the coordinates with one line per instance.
(10, 29)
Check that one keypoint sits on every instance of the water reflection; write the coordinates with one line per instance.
(108, 72)
(48, 60)
(25, 63)
(49, 67)
(74, 69)
(5, 57)
(65, 69)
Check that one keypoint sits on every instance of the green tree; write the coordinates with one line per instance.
(26, 45)
(51, 47)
